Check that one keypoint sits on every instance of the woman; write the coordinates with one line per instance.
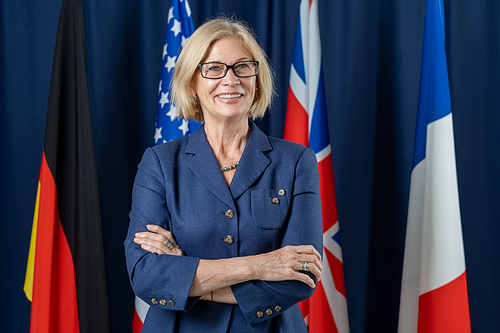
(225, 225)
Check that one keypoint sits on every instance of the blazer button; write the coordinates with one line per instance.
(171, 303)
(269, 312)
(281, 192)
(277, 308)
(260, 314)
(154, 301)
(276, 201)
(229, 239)
(229, 213)
(163, 302)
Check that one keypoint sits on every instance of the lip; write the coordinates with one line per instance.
(229, 97)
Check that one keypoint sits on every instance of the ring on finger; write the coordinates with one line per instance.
(169, 244)
(304, 266)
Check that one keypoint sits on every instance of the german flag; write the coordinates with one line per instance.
(65, 279)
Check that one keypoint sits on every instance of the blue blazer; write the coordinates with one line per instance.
(273, 201)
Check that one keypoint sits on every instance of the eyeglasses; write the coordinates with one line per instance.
(217, 70)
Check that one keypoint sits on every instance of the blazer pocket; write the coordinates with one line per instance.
(269, 208)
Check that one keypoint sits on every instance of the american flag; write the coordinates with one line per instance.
(179, 28)
(306, 123)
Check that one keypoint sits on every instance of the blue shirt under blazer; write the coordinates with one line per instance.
(273, 201)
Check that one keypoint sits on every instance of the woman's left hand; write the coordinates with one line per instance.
(158, 240)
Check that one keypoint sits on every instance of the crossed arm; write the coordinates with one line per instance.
(213, 278)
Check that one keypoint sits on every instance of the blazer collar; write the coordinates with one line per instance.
(252, 164)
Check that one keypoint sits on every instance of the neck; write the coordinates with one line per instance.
(228, 141)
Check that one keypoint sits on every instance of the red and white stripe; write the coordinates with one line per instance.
(326, 310)
(434, 287)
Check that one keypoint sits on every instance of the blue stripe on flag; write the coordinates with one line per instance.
(298, 57)
(434, 96)
(319, 137)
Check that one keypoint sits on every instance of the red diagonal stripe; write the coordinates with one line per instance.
(296, 123)
(337, 269)
(328, 200)
(320, 316)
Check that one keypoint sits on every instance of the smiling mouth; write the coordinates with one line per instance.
(229, 96)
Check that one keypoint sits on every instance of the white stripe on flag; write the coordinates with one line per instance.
(141, 307)
(325, 153)
(410, 285)
(298, 87)
(314, 54)
(330, 244)
(336, 301)
(443, 258)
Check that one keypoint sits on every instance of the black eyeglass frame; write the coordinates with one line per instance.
(256, 63)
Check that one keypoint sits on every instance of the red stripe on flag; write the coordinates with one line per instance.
(296, 128)
(320, 315)
(54, 306)
(327, 187)
(445, 309)
(337, 269)
(136, 322)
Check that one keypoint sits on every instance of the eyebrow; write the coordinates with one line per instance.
(238, 60)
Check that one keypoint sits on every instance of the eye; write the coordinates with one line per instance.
(243, 66)
(214, 67)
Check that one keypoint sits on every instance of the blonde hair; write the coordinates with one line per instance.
(197, 48)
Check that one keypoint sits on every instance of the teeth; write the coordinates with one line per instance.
(227, 96)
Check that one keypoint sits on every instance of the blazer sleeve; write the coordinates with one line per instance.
(262, 300)
(162, 281)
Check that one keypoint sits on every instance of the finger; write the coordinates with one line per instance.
(308, 249)
(303, 250)
(158, 247)
(162, 232)
(305, 279)
(150, 235)
(311, 259)
(159, 230)
(152, 249)
(155, 243)
(314, 267)
(149, 246)
(161, 239)
(315, 271)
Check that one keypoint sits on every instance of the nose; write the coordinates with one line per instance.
(230, 79)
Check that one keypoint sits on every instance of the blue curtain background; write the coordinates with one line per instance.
(371, 58)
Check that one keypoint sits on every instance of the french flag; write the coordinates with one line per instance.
(306, 123)
(434, 286)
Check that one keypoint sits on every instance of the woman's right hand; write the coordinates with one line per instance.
(287, 264)
(158, 240)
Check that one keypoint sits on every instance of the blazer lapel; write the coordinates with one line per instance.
(253, 162)
(205, 166)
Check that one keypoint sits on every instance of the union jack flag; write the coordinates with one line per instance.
(179, 28)
(306, 123)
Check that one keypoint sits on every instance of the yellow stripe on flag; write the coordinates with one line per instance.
(28, 282)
